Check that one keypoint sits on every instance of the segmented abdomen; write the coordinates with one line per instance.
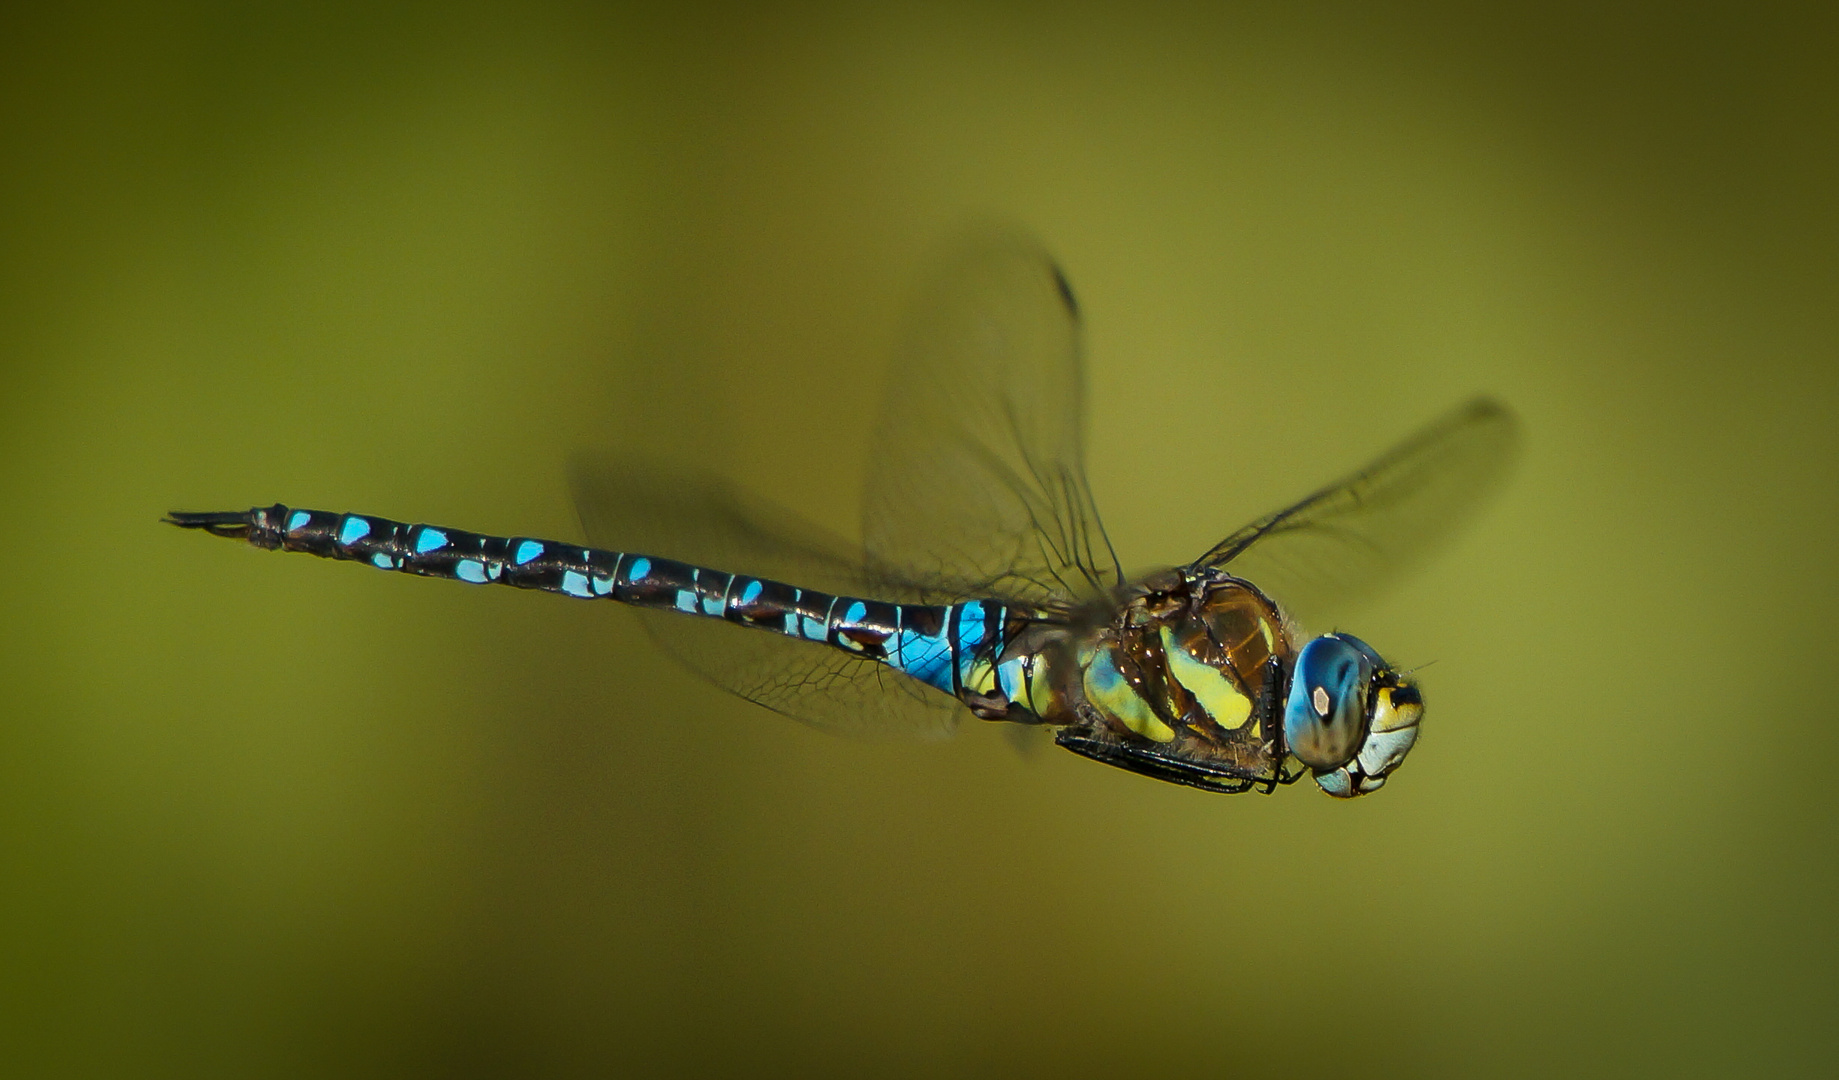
(943, 646)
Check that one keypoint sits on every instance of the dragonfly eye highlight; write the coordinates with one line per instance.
(1325, 719)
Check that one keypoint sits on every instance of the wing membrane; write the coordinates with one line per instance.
(978, 480)
(1342, 546)
(976, 488)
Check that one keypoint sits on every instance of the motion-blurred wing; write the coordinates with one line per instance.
(636, 507)
(977, 479)
(1343, 545)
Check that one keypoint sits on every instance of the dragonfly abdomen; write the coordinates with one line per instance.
(940, 645)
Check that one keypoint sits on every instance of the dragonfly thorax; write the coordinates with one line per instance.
(1183, 682)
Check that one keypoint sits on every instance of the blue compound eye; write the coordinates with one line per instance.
(1325, 718)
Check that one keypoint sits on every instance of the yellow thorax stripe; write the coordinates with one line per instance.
(1211, 688)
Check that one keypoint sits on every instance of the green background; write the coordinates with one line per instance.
(265, 816)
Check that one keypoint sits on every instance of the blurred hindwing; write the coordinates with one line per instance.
(640, 507)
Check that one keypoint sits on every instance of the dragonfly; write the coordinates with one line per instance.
(984, 581)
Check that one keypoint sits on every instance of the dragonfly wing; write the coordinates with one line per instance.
(1344, 545)
(978, 478)
(633, 506)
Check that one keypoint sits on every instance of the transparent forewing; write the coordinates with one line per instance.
(626, 505)
(976, 476)
(1342, 546)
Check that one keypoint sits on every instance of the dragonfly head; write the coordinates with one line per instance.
(1349, 716)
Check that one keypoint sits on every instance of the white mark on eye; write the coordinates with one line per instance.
(1320, 698)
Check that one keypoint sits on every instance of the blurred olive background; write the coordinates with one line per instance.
(268, 816)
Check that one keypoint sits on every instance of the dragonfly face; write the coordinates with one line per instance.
(1349, 717)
